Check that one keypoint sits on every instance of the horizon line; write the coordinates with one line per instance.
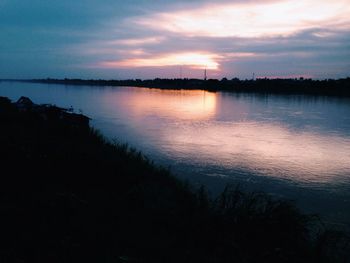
(159, 78)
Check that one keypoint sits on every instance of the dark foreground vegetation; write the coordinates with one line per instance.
(68, 195)
(329, 87)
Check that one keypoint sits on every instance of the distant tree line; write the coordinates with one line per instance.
(328, 87)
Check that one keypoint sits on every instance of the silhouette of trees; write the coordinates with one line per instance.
(329, 87)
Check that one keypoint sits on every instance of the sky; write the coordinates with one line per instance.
(114, 39)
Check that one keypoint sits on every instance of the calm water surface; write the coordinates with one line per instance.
(296, 147)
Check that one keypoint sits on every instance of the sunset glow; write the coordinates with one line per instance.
(194, 60)
(152, 39)
(263, 19)
(175, 130)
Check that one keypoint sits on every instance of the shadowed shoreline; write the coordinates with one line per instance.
(69, 195)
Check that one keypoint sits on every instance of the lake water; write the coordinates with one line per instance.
(295, 147)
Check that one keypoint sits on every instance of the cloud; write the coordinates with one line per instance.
(140, 38)
(194, 60)
(257, 19)
(137, 41)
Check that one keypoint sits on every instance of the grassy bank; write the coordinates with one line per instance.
(69, 195)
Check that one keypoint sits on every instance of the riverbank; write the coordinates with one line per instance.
(301, 86)
(69, 195)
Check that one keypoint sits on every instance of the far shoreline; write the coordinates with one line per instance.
(300, 86)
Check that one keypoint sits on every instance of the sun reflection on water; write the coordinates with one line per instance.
(178, 104)
(190, 127)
